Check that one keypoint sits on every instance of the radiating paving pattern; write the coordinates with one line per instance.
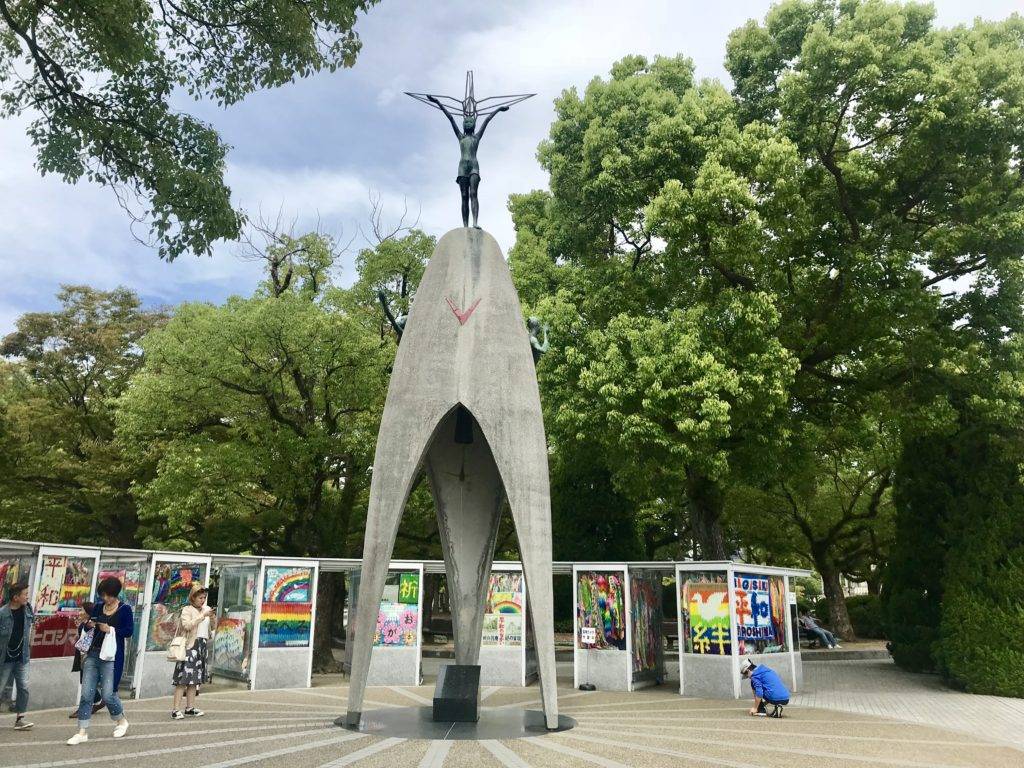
(655, 727)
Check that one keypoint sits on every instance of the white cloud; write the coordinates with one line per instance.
(313, 150)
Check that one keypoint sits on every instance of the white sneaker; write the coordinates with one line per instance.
(120, 729)
(21, 724)
(837, 645)
(78, 738)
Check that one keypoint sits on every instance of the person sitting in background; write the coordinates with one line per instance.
(824, 637)
(76, 665)
(768, 688)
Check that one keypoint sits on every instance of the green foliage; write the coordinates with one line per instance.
(953, 593)
(589, 519)
(393, 267)
(983, 609)
(253, 424)
(100, 77)
(866, 616)
(912, 597)
(753, 292)
(983, 602)
(257, 418)
(63, 475)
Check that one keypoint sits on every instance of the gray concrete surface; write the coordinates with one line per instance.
(879, 687)
(608, 669)
(650, 728)
(468, 497)
(282, 668)
(465, 343)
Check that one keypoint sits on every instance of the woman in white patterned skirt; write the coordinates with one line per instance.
(196, 618)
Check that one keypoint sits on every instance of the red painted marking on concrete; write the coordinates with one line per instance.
(462, 316)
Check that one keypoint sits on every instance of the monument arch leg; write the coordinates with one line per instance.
(520, 453)
(404, 441)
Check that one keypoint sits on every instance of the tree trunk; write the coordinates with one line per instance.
(706, 504)
(429, 590)
(833, 586)
(875, 582)
(124, 532)
(328, 589)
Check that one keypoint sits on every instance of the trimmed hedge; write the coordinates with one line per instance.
(924, 491)
(954, 594)
(983, 607)
(866, 616)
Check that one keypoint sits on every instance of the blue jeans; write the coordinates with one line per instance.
(19, 669)
(96, 672)
(824, 636)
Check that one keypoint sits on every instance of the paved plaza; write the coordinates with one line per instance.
(653, 728)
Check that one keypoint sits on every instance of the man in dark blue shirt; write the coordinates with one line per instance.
(15, 638)
(768, 688)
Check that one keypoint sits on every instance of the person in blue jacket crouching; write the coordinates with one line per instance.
(768, 689)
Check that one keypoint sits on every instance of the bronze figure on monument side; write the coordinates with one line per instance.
(470, 110)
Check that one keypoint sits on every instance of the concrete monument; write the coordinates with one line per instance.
(463, 406)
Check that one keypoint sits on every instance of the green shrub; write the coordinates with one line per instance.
(563, 626)
(866, 616)
(982, 630)
(983, 608)
(924, 490)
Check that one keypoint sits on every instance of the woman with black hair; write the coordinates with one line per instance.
(111, 615)
(76, 666)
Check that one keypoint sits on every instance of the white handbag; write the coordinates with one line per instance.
(108, 651)
(176, 648)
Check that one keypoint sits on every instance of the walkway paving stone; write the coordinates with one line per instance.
(879, 687)
(850, 725)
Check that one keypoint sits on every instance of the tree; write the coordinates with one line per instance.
(830, 511)
(590, 520)
(683, 370)
(863, 162)
(393, 267)
(257, 418)
(913, 591)
(97, 81)
(983, 588)
(65, 476)
(254, 423)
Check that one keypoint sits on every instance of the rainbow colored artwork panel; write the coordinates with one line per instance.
(753, 606)
(285, 625)
(231, 643)
(287, 585)
(645, 599)
(503, 610)
(706, 606)
(172, 583)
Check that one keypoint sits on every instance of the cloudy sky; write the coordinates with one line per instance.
(315, 149)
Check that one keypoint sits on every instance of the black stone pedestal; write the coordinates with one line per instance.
(457, 694)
